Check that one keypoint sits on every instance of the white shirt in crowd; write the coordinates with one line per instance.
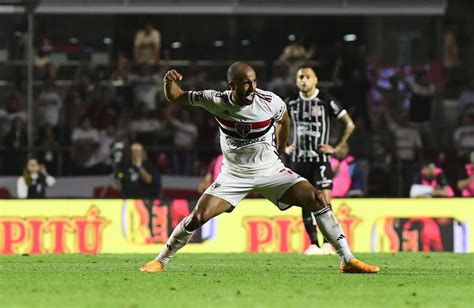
(145, 125)
(49, 105)
(147, 44)
(185, 134)
(145, 88)
(464, 137)
(407, 140)
(22, 188)
(92, 135)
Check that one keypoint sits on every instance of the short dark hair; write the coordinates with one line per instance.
(307, 65)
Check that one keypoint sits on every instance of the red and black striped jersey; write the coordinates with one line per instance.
(247, 133)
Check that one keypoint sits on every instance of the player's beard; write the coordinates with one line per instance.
(303, 88)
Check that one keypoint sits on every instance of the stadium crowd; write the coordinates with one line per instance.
(397, 112)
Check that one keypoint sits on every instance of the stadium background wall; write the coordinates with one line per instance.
(256, 226)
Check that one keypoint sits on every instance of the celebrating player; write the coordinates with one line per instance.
(246, 117)
(311, 112)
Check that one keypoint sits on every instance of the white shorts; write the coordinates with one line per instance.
(272, 186)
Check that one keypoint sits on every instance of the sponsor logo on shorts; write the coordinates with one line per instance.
(215, 186)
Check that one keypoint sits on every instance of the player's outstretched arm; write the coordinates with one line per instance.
(282, 132)
(173, 92)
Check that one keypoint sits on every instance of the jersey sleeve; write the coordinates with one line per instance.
(335, 108)
(207, 99)
(278, 107)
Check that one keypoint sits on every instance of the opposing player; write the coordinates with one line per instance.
(247, 117)
(311, 112)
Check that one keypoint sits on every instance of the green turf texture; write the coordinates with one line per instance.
(236, 280)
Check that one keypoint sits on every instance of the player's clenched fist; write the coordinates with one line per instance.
(172, 76)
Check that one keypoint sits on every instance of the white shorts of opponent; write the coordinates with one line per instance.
(271, 185)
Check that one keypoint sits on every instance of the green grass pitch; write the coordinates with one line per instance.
(236, 280)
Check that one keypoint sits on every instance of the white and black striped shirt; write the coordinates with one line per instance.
(311, 119)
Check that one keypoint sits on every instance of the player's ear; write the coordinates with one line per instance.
(232, 85)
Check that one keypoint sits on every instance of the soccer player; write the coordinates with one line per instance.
(311, 111)
(246, 117)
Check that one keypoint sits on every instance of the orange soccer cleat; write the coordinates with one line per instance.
(152, 267)
(357, 266)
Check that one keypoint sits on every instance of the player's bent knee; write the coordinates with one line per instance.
(320, 200)
(314, 200)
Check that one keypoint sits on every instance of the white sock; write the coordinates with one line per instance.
(332, 231)
(176, 241)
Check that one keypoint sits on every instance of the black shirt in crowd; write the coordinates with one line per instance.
(133, 185)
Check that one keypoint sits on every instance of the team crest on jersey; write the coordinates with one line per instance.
(316, 111)
(198, 95)
(243, 129)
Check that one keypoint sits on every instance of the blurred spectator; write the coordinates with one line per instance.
(395, 94)
(407, 138)
(76, 107)
(296, 52)
(294, 55)
(452, 57)
(45, 69)
(138, 178)
(464, 135)
(32, 184)
(48, 105)
(185, 136)
(145, 86)
(85, 142)
(455, 73)
(86, 77)
(375, 105)
(421, 102)
(107, 138)
(4, 123)
(48, 147)
(466, 180)
(196, 78)
(145, 126)
(15, 141)
(430, 181)
(361, 146)
(407, 142)
(16, 105)
(147, 45)
(19, 49)
(282, 83)
(119, 77)
(122, 70)
(466, 98)
(347, 181)
(105, 110)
